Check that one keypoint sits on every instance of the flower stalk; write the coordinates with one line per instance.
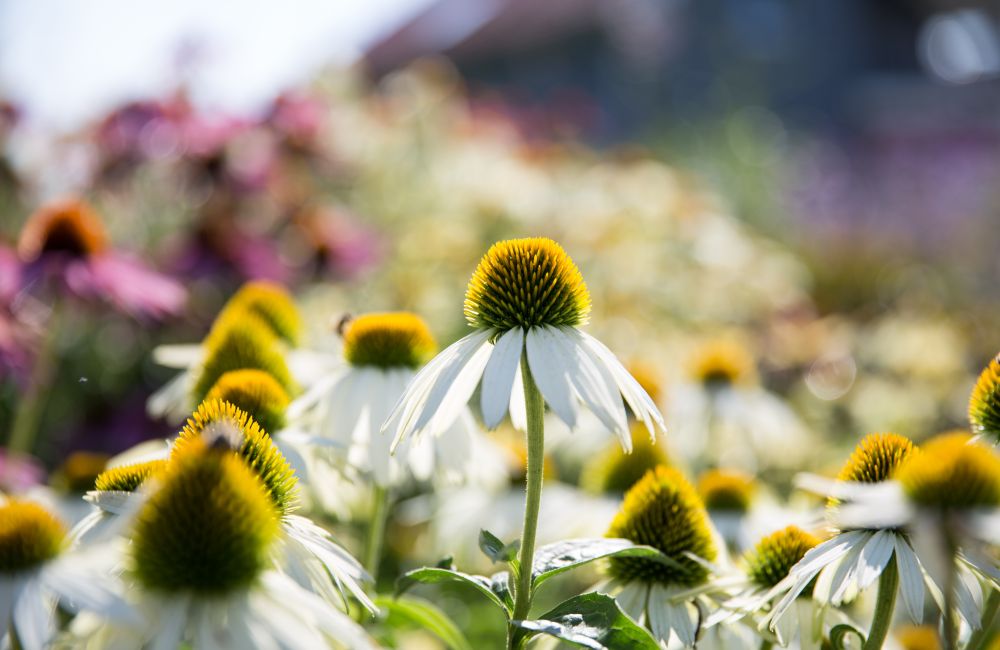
(888, 584)
(535, 409)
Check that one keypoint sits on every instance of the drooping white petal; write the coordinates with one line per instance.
(387, 388)
(455, 397)
(172, 401)
(33, 613)
(843, 583)
(659, 620)
(428, 389)
(518, 414)
(548, 369)
(969, 599)
(632, 598)
(172, 616)
(814, 561)
(911, 581)
(874, 558)
(593, 383)
(82, 586)
(641, 404)
(498, 378)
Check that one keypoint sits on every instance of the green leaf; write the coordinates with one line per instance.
(591, 621)
(423, 614)
(501, 585)
(553, 559)
(495, 549)
(435, 575)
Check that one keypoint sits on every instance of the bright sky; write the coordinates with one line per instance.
(67, 61)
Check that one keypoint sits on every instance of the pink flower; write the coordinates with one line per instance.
(63, 246)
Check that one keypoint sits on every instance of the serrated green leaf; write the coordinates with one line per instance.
(591, 621)
(422, 613)
(502, 586)
(495, 549)
(436, 575)
(559, 557)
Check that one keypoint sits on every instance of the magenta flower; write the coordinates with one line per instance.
(63, 247)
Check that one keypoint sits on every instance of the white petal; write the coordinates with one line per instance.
(874, 558)
(518, 414)
(172, 617)
(632, 599)
(498, 378)
(843, 584)
(593, 383)
(172, 401)
(641, 404)
(969, 599)
(385, 392)
(550, 374)
(181, 355)
(33, 616)
(911, 581)
(659, 618)
(83, 589)
(436, 390)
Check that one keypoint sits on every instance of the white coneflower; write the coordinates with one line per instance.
(383, 352)
(861, 553)
(38, 571)
(947, 500)
(720, 414)
(199, 564)
(663, 510)
(526, 299)
(765, 566)
(307, 552)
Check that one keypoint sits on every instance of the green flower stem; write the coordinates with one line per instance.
(21, 439)
(951, 580)
(535, 407)
(888, 584)
(766, 645)
(376, 530)
(981, 637)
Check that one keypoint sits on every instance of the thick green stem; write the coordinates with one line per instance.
(981, 637)
(888, 584)
(535, 408)
(376, 530)
(29, 410)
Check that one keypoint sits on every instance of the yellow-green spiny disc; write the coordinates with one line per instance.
(128, 478)
(270, 302)
(726, 490)
(876, 458)
(984, 402)
(255, 392)
(29, 536)
(613, 471)
(220, 423)
(238, 343)
(769, 562)
(209, 527)
(663, 510)
(952, 472)
(390, 340)
(524, 283)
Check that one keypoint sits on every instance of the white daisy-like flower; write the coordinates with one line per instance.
(39, 571)
(526, 301)
(382, 353)
(671, 599)
(946, 501)
(199, 565)
(306, 551)
(764, 566)
(860, 553)
(720, 414)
